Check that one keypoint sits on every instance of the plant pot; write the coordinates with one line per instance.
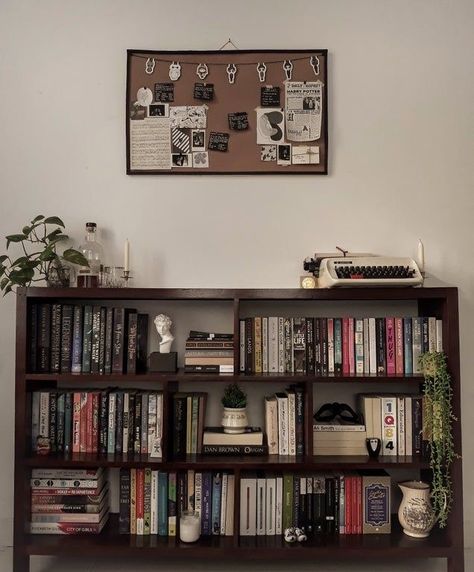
(234, 421)
(58, 275)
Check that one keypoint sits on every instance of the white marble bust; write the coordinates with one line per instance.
(163, 325)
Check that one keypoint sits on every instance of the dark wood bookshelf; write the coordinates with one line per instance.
(441, 302)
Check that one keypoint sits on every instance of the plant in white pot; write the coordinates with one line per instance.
(234, 416)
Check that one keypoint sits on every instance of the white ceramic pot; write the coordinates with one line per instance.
(416, 515)
(234, 420)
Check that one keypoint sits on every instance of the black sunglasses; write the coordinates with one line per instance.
(329, 412)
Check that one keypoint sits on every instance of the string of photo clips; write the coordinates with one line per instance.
(202, 69)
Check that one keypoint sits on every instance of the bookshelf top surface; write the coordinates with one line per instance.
(359, 293)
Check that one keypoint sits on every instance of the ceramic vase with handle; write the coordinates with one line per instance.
(234, 420)
(416, 514)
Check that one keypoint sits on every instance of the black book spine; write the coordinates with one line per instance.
(296, 500)
(309, 505)
(310, 364)
(132, 343)
(181, 494)
(302, 519)
(324, 346)
(87, 340)
(142, 343)
(124, 514)
(249, 345)
(52, 421)
(299, 341)
(103, 422)
(109, 328)
(337, 346)
(337, 500)
(102, 341)
(179, 426)
(117, 340)
(235, 450)
(318, 363)
(380, 344)
(77, 334)
(44, 338)
(95, 339)
(425, 344)
(319, 504)
(33, 338)
(66, 338)
(299, 420)
(137, 430)
(60, 416)
(131, 421)
(119, 422)
(201, 369)
(55, 364)
(330, 505)
(68, 422)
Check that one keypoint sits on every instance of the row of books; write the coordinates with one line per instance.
(337, 346)
(151, 502)
(209, 353)
(66, 338)
(334, 503)
(69, 501)
(91, 421)
(188, 417)
(284, 421)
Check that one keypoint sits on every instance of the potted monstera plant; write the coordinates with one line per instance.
(234, 416)
(38, 258)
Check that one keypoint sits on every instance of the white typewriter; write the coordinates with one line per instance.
(368, 271)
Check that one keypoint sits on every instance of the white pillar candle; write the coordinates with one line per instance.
(421, 256)
(189, 526)
(126, 263)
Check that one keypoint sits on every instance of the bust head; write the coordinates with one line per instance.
(163, 324)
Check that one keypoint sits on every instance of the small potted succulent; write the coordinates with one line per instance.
(234, 416)
(42, 262)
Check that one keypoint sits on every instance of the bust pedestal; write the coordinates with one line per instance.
(162, 363)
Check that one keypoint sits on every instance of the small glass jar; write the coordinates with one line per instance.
(113, 277)
(189, 526)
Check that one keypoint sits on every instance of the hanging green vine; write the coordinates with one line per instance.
(437, 427)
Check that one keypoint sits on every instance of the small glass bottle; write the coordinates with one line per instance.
(90, 276)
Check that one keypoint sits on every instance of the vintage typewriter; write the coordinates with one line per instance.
(365, 271)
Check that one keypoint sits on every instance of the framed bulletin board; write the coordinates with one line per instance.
(227, 112)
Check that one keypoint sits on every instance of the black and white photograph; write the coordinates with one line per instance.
(309, 103)
(284, 154)
(198, 138)
(137, 111)
(270, 126)
(158, 110)
(181, 160)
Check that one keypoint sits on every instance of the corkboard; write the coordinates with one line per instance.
(244, 95)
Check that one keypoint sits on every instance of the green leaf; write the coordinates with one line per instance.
(3, 258)
(4, 282)
(54, 220)
(7, 289)
(26, 230)
(55, 232)
(15, 238)
(22, 276)
(20, 261)
(75, 257)
(47, 255)
(2, 270)
(37, 218)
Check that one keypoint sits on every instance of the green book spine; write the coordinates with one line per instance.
(172, 504)
(162, 504)
(287, 501)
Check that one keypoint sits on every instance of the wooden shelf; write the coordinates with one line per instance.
(111, 543)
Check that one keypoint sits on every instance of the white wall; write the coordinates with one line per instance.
(401, 148)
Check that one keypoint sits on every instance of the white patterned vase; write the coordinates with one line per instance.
(234, 421)
(416, 515)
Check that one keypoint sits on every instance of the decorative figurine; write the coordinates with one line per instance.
(163, 325)
(373, 445)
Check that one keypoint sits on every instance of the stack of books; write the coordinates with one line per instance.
(250, 442)
(339, 439)
(209, 353)
(66, 501)
(284, 422)
(151, 502)
(188, 415)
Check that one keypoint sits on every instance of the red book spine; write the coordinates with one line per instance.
(349, 505)
(359, 505)
(83, 432)
(351, 347)
(399, 356)
(95, 422)
(345, 346)
(89, 416)
(76, 423)
(355, 502)
(140, 494)
(390, 341)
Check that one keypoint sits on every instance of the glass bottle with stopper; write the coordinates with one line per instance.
(90, 277)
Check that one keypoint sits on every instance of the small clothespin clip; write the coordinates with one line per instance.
(288, 67)
(231, 72)
(150, 66)
(262, 71)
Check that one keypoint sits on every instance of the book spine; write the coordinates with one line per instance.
(270, 508)
(132, 343)
(216, 503)
(283, 419)
(257, 336)
(416, 344)
(147, 503)
(265, 345)
(179, 429)
(432, 334)
(281, 345)
(299, 420)
(64, 528)
(111, 424)
(296, 501)
(390, 345)
(206, 504)
(162, 504)
(331, 364)
(242, 346)
(103, 422)
(95, 339)
(425, 340)
(68, 422)
(310, 363)
(102, 326)
(44, 338)
(229, 511)
(279, 505)
(52, 421)
(288, 341)
(95, 421)
(56, 311)
(119, 422)
(140, 502)
(124, 502)
(261, 507)
(235, 450)
(133, 501)
(273, 365)
(299, 347)
(89, 418)
(172, 505)
(338, 346)
(380, 341)
(118, 340)
(389, 423)
(76, 422)
(439, 335)
(417, 424)
(225, 481)
(372, 346)
(154, 503)
(401, 425)
(399, 360)
(291, 423)
(330, 505)
(317, 347)
(198, 493)
(408, 426)
(33, 338)
(271, 424)
(109, 325)
(66, 338)
(324, 346)
(87, 340)
(77, 335)
(359, 346)
(60, 411)
(345, 346)
(351, 347)
(309, 505)
(249, 345)
(408, 346)
(287, 517)
(35, 419)
(366, 347)
(144, 425)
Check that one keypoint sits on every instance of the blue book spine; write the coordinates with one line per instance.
(162, 504)
(407, 350)
(206, 504)
(77, 340)
(216, 503)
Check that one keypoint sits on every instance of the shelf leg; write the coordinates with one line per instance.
(21, 560)
(456, 563)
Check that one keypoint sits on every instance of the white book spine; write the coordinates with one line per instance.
(283, 426)
(291, 424)
(261, 509)
(152, 402)
(198, 493)
(389, 426)
(126, 422)
(372, 351)
(330, 327)
(408, 427)
(367, 410)
(156, 450)
(144, 428)
(154, 503)
(271, 425)
(273, 345)
(270, 505)
(44, 414)
(377, 417)
(281, 346)
(229, 511)
(439, 335)
(35, 419)
(248, 506)
(279, 506)
(432, 334)
(359, 345)
(401, 420)
(242, 346)
(265, 345)
(366, 347)
(225, 481)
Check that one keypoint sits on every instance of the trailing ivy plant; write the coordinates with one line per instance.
(39, 241)
(234, 397)
(437, 426)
